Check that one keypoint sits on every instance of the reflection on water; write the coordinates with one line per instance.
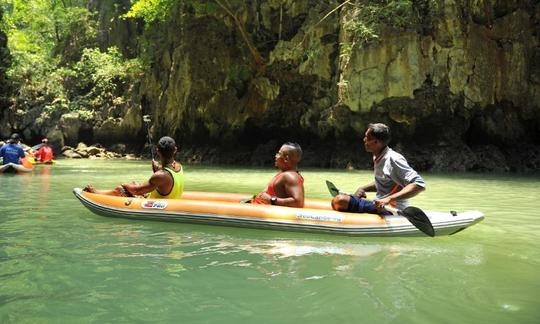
(61, 263)
(296, 248)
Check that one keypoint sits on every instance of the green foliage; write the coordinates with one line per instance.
(76, 29)
(102, 77)
(35, 77)
(363, 32)
(158, 10)
(239, 73)
(345, 49)
(55, 62)
(37, 29)
(203, 8)
(369, 17)
(150, 10)
(29, 26)
(311, 53)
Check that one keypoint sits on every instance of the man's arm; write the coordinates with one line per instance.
(409, 191)
(403, 174)
(361, 191)
(158, 180)
(294, 191)
(138, 189)
(289, 186)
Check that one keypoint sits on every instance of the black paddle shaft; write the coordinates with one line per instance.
(147, 120)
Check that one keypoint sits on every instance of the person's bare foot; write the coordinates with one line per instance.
(89, 188)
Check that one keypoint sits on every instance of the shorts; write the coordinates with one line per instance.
(361, 205)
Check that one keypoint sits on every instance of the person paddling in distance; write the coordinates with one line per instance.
(45, 154)
(287, 187)
(166, 182)
(395, 181)
(12, 152)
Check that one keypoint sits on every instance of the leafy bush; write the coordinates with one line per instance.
(102, 77)
(42, 36)
(43, 70)
(76, 29)
(150, 10)
(368, 18)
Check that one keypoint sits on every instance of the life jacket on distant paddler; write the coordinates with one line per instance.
(44, 154)
(178, 185)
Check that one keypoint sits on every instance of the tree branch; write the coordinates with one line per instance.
(254, 52)
(320, 21)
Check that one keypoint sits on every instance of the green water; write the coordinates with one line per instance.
(59, 263)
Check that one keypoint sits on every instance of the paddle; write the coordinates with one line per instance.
(248, 200)
(413, 214)
(37, 147)
(147, 120)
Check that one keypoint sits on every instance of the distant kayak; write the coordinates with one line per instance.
(227, 209)
(14, 168)
(34, 162)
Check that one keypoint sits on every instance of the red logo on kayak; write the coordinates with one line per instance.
(152, 204)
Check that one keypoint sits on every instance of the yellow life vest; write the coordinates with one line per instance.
(178, 185)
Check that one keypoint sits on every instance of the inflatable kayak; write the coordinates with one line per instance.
(226, 209)
(14, 168)
(33, 161)
(43, 163)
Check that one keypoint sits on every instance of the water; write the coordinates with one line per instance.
(59, 263)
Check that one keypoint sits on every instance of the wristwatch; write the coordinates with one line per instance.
(273, 200)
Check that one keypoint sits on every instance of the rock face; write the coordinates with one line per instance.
(485, 62)
(459, 85)
(82, 151)
(463, 87)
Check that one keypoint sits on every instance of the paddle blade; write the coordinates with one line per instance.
(419, 219)
(334, 191)
(248, 200)
(37, 147)
(25, 163)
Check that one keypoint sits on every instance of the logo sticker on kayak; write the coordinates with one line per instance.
(152, 204)
(322, 218)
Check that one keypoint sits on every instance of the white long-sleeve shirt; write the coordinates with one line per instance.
(392, 173)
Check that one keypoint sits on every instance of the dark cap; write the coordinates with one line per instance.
(166, 143)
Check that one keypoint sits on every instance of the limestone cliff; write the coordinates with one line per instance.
(458, 81)
(471, 82)
(459, 89)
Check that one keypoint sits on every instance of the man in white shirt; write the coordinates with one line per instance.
(395, 181)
